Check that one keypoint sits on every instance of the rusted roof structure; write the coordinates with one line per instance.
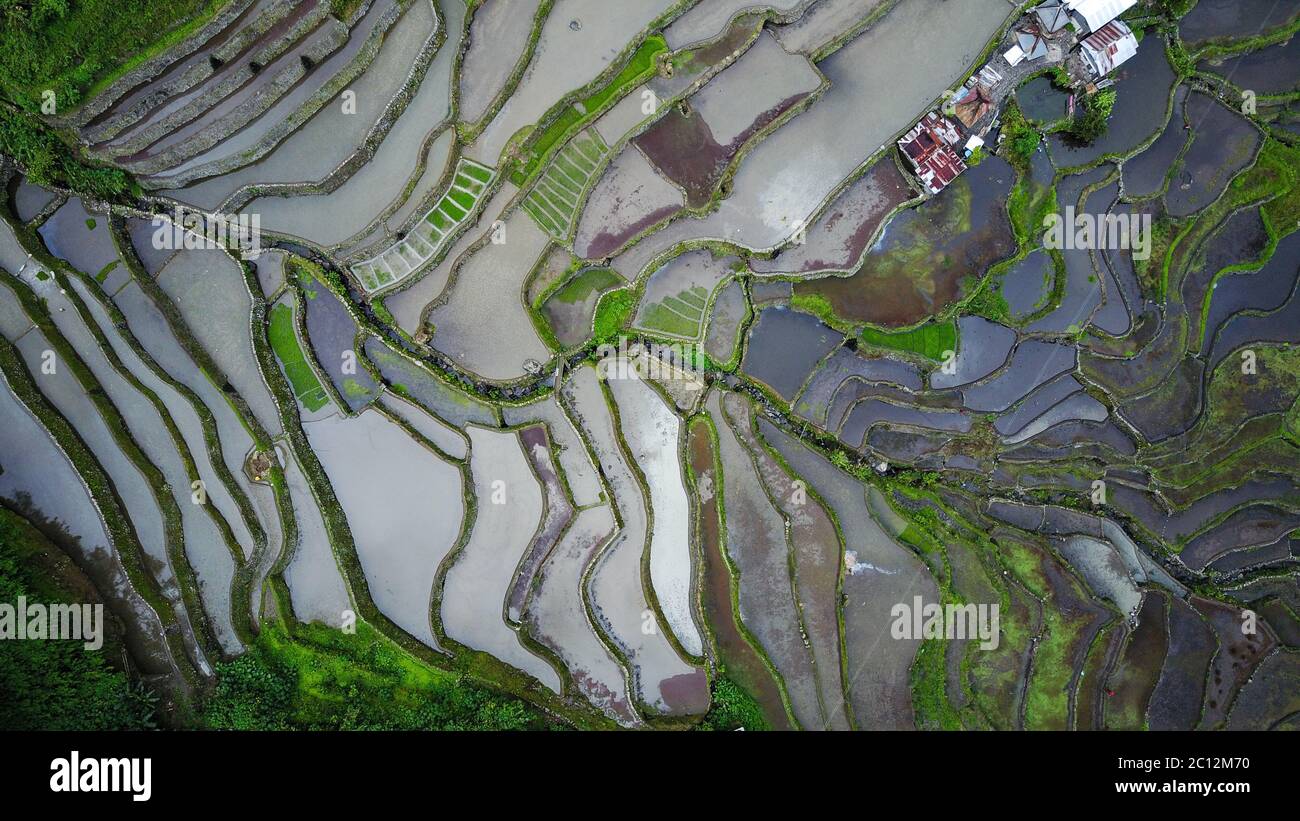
(929, 149)
(1108, 47)
(977, 102)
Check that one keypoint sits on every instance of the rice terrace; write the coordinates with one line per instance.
(650, 365)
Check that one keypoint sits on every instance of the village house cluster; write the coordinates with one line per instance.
(937, 147)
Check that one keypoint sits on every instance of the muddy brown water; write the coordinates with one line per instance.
(735, 655)
(919, 264)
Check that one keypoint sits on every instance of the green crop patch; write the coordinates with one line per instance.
(929, 340)
(284, 341)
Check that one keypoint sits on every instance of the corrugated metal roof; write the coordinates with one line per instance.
(1054, 15)
(928, 146)
(1109, 46)
(1097, 13)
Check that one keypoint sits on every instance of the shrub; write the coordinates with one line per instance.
(1090, 120)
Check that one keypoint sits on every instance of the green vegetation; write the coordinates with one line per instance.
(929, 340)
(1092, 116)
(320, 678)
(77, 48)
(584, 284)
(105, 271)
(1179, 60)
(987, 301)
(1020, 139)
(553, 202)
(929, 688)
(732, 709)
(284, 341)
(50, 162)
(817, 305)
(681, 315)
(57, 685)
(575, 116)
(613, 312)
(1173, 8)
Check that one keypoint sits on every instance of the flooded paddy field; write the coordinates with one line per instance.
(677, 296)
(409, 304)
(760, 555)
(845, 366)
(404, 508)
(730, 310)
(555, 616)
(486, 328)
(1145, 83)
(708, 20)
(209, 289)
(1237, 659)
(1265, 289)
(823, 22)
(83, 241)
(332, 334)
(770, 192)
(29, 200)
(1231, 19)
(181, 412)
(983, 347)
(882, 572)
(733, 650)
(1145, 174)
(693, 144)
(325, 65)
(630, 198)
(1138, 668)
(661, 679)
(783, 348)
(1268, 701)
(40, 483)
(316, 587)
(653, 434)
(417, 383)
(901, 393)
(316, 150)
(1027, 285)
(62, 390)
(1223, 144)
(499, 27)
(1032, 364)
(330, 218)
(1176, 700)
(817, 556)
(477, 586)
(205, 548)
(1270, 70)
(150, 327)
(443, 436)
(556, 517)
(567, 57)
(842, 233)
(918, 265)
(580, 474)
